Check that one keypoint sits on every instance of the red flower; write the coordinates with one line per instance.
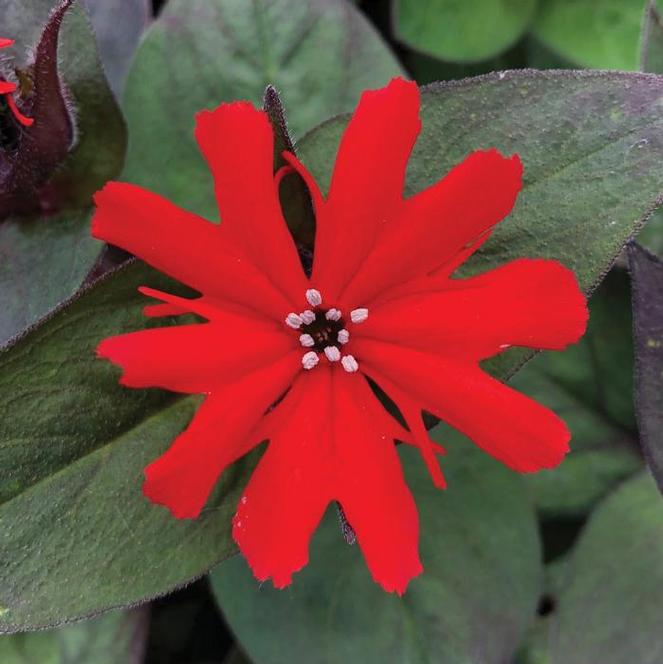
(380, 303)
(7, 89)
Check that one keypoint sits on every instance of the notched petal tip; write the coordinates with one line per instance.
(399, 585)
(155, 493)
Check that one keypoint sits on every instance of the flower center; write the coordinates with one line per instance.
(323, 331)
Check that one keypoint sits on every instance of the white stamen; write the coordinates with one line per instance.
(294, 321)
(343, 336)
(333, 314)
(310, 359)
(313, 297)
(306, 340)
(358, 315)
(349, 363)
(307, 316)
(333, 354)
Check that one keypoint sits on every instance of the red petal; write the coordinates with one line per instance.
(218, 435)
(367, 184)
(532, 303)
(372, 489)
(291, 487)
(196, 359)
(183, 245)
(331, 445)
(238, 142)
(7, 87)
(438, 223)
(508, 425)
(4, 43)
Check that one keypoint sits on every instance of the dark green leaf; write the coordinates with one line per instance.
(116, 638)
(592, 146)
(478, 592)
(461, 31)
(198, 53)
(590, 386)
(41, 262)
(610, 606)
(77, 534)
(647, 276)
(602, 34)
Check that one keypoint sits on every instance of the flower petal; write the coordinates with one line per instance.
(513, 428)
(219, 434)
(238, 143)
(181, 244)
(199, 358)
(291, 487)
(331, 445)
(438, 223)
(371, 487)
(367, 183)
(531, 303)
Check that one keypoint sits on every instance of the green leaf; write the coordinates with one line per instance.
(647, 275)
(591, 143)
(651, 39)
(44, 260)
(461, 31)
(116, 638)
(603, 34)
(610, 606)
(198, 53)
(482, 572)
(77, 534)
(118, 26)
(590, 386)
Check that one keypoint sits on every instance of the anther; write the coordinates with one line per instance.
(310, 359)
(306, 340)
(313, 297)
(307, 317)
(332, 353)
(294, 321)
(349, 363)
(343, 336)
(358, 315)
(333, 314)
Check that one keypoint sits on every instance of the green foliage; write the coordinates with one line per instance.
(199, 53)
(460, 31)
(592, 33)
(78, 536)
(116, 638)
(611, 595)
(479, 545)
(590, 386)
(647, 276)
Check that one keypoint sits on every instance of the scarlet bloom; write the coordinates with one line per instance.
(381, 303)
(7, 90)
